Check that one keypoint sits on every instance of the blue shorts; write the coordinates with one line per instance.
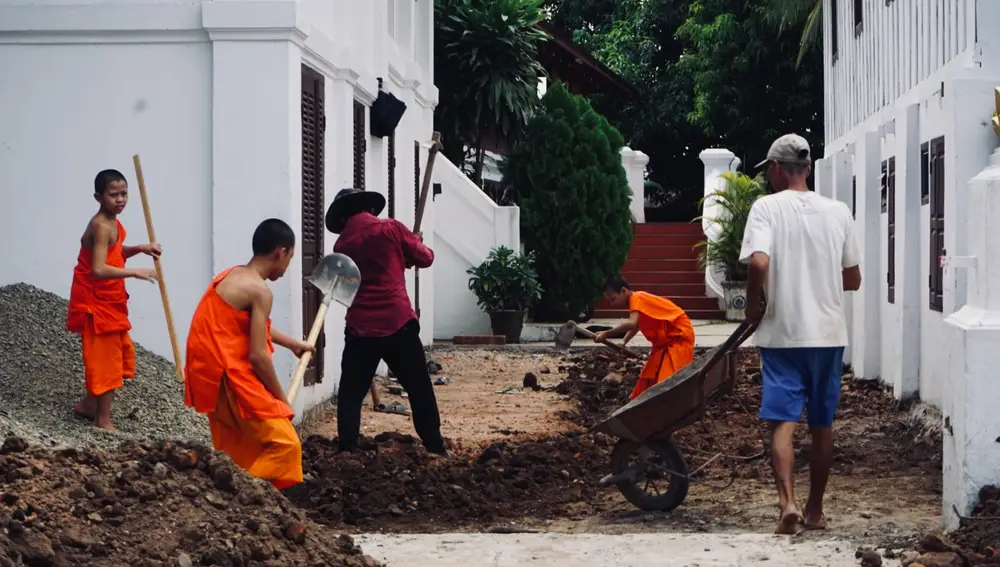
(801, 378)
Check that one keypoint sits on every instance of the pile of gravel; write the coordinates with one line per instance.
(41, 378)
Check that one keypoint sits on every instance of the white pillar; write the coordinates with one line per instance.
(634, 163)
(972, 423)
(716, 161)
(843, 182)
(256, 135)
(905, 378)
(866, 351)
(823, 169)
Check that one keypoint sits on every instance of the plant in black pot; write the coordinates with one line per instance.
(506, 285)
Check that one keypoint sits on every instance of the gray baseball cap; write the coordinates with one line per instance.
(790, 148)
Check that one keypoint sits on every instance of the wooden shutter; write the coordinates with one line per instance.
(883, 183)
(313, 200)
(416, 205)
(936, 178)
(925, 181)
(891, 263)
(360, 144)
(391, 150)
(854, 196)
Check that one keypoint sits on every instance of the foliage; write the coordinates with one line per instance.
(787, 14)
(486, 71)
(505, 281)
(747, 90)
(734, 202)
(574, 197)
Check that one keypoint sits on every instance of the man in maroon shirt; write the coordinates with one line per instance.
(381, 323)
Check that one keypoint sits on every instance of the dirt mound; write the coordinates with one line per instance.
(148, 505)
(976, 542)
(393, 483)
(600, 381)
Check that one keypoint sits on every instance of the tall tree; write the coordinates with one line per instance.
(790, 14)
(487, 73)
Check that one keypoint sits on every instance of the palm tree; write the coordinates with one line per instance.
(793, 13)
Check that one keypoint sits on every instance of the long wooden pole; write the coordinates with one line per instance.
(159, 268)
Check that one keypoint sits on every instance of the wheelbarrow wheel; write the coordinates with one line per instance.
(652, 464)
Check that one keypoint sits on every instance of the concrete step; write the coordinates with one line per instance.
(670, 228)
(696, 302)
(641, 277)
(666, 258)
(668, 289)
(680, 240)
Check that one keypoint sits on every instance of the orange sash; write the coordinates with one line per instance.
(105, 301)
(668, 329)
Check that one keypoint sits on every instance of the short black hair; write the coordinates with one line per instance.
(271, 235)
(107, 177)
(615, 284)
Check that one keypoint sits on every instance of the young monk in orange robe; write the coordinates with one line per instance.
(98, 302)
(666, 326)
(229, 374)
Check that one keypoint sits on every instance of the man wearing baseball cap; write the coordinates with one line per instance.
(802, 248)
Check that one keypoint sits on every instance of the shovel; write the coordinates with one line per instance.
(566, 334)
(338, 277)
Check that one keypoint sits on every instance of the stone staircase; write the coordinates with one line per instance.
(663, 262)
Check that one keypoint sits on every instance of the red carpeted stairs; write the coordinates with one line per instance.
(663, 262)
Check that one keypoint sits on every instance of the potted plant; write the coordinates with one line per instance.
(506, 285)
(722, 252)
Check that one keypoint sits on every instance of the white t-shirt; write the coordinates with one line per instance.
(809, 239)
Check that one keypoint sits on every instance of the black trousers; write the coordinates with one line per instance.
(403, 352)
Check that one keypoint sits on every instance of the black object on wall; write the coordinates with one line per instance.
(385, 114)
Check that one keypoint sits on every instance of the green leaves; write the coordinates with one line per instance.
(506, 281)
(486, 71)
(574, 199)
(734, 201)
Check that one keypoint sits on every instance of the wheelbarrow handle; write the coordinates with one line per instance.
(626, 351)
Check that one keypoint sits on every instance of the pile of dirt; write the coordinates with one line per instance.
(41, 376)
(600, 381)
(975, 543)
(149, 505)
(392, 483)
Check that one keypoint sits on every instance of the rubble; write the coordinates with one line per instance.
(155, 504)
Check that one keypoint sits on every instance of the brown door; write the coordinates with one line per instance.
(311, 247)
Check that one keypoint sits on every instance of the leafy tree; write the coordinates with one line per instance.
(793, 13)
(486, 71)
(747, 89)
(574, 201)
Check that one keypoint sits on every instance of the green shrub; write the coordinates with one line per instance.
(574, 198)
(505, 281)
(734, 201)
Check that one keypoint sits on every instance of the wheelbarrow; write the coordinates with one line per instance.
(645, 453)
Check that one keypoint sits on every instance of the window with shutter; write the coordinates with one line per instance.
(854, 196)
(882, 183)
(936, 190)
(313, 200)
(360, 144)
(925, 182)
(891, 262)
(391, 150)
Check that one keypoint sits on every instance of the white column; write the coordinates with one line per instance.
(257, 138)
(843, 173)
(716, 161)
(866, 351)
(905, 380)
(634, 163)
(972, 424)
(824, 177)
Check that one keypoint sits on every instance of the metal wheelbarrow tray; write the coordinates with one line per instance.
(645, 426)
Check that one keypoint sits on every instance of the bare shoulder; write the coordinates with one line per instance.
(98, 229)
(242, 289)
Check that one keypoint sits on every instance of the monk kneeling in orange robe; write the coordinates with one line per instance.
(666, 326)
(98, 302)
(229, 374)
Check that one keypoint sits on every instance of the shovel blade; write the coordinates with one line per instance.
(565, 335)
(338, 277)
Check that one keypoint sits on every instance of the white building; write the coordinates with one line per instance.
(240, 110)
(909, 99)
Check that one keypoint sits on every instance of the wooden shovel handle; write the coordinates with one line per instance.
(616, 346)
(300, 370)
(159, 268)
(425, 189)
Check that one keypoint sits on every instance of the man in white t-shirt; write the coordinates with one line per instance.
(802, 248)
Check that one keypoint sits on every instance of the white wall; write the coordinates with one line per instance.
(208, 93)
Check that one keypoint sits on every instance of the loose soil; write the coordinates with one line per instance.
(886, 482)
(976, 542)
(150, 505)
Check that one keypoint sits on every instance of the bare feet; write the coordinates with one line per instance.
(106, 425)
(85, 410)
(788, 525)
(814, 521)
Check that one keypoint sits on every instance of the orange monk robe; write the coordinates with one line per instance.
(668, 329)
(98, 312)
(248, 423)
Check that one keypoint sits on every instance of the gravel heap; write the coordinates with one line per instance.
(41, 377)
(157, 504)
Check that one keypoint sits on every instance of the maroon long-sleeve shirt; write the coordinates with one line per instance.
(383, 249)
